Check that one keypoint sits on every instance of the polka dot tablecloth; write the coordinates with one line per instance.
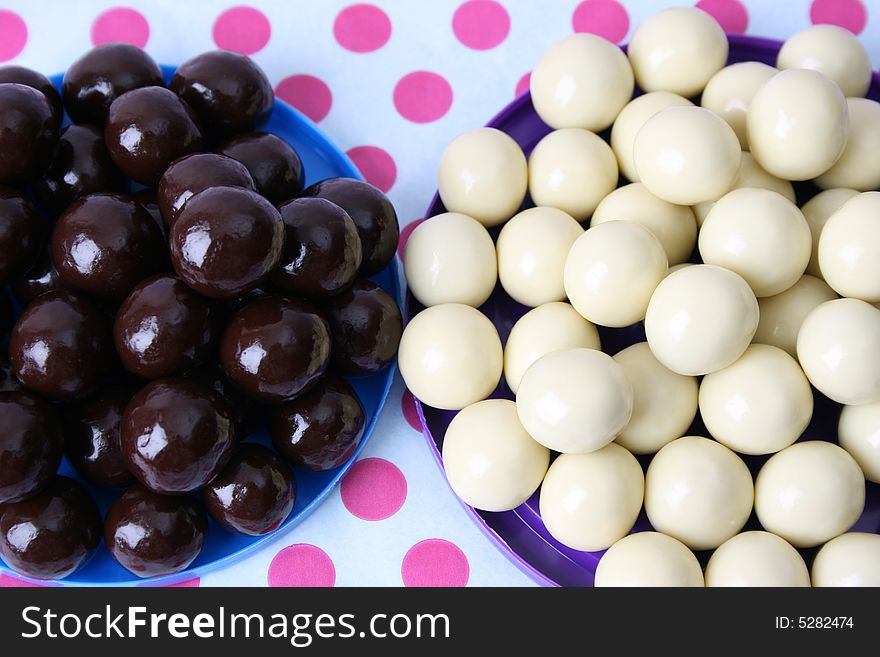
(391, 81)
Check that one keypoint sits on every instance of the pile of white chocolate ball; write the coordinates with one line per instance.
(786, 297)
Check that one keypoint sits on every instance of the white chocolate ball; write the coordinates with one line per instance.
(760, 404)
(574, 400)
(664, 403)
(730, 91)
(809, 493)
(547, 328)
(611, 272)
(672, 224)
(849, 248)
(833, 51)
(851, 559)
(817, 211)
(858, 432)
(531, 254)
(450, 258)
(677, 50)
(649, 559)
(687, 155)
(858, 166)
(700, 319)
(679, 266)
(782, 314)
(839, 349)
(630, 121)
(797, 124)
(760, 235)
(450, 356)
(698, 491)
(491, 462)
(581, 82)
(590, 501)
(483, 174)
(572, 169)
(757, 559)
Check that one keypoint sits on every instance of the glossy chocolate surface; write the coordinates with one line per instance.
(176, 435)
(164, 328)
(105, 244)
(91, 437)
(147, 198)
(5, 314)
(31, 78)
(275, 348)
(253, 494)
(152, 535)
(321, 428)
(371, 212)
(51, 534)
(8, 382)
(99, 77)
(226, 241)
(147, 129)
(272, 162)
(42, 277)
(80, 166)
(322, 250)
(61, 347)
(228, 91)
(30, 445)
(195, 173)
(366, 326)
(248, 413)
(28, 133)
(21, 234)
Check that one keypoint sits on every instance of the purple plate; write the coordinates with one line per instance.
(520, 534)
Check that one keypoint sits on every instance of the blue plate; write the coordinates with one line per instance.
(321, 159)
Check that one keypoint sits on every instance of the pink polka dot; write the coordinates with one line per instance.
(435, 562)
(850, 14)
(13, 35)
(121, 24)
(308, 94)
(422, 96)
(523, 85)
(362, 28)
(607, 18)
(375, 164)
(242, 29)
(374, 489)
(408, 402)
(7, 582)
(481, 24)
(730, 14)
(188, 584)
(301, 565)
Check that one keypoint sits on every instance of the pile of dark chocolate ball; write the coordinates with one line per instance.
(178, 291)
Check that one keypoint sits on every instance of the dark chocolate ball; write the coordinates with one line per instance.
(52, 534)
(366, 326)
(81, 166)
(8, 382)
(147, 129)
(105, 244)
(275, 348)
(253, 494)
(61, 347)
(31, 441)
(91, 437)
(226, 241)
(274, 165)
(6, 317)
(21, 234)
(147, 198)
(28, 133)
(228, 91)
(151, 535)
(247, 412)
(192, 174)
(40, 278)
(164, 328)
(99, 77)
(31, 78)
(371, 212)
(321, 428)
(176, 435)
(322, 250)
